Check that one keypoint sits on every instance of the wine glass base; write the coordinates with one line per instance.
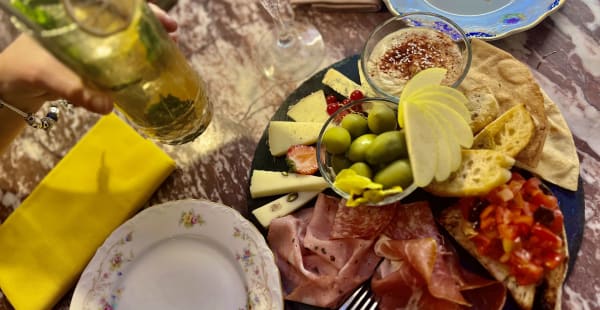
(295, 60)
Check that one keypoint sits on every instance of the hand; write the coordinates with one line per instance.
(27, 82)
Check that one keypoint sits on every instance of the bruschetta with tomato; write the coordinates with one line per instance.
(516, 232)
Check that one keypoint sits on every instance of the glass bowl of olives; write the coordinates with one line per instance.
(362, 154)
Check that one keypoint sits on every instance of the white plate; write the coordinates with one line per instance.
(188, 254)
(483, 19)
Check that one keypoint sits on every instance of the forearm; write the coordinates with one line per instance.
(11, 123)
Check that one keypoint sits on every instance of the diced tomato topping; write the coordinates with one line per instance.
(525, 271)
(557, 225)
(520, 225)
(553, 259)
(546, 238)
(487, 246)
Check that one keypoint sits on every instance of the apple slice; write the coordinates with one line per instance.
(447, 95)
(421, 143)
(457, 124)
(442, 171)
(431, 76)
(427, 77)
(455, 151)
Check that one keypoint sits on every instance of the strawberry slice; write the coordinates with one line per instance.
(302, 159)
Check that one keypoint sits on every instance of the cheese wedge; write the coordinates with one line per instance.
(269, 183)
(340, 83)
(312, 108)
(283, 134)
(282, 206)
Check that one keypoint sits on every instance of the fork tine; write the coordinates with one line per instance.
(374, 306)
(355, 299)
(361, 299)
(351, 299)
(369, 303)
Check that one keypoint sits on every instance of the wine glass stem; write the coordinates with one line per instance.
(282, 13)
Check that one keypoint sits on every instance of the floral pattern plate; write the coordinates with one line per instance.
(187, 254)
(483, 19)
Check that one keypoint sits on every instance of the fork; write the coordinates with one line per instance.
(361, 299)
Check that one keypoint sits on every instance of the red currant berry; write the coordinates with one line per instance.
(345, 101)
(331, 99)
(356, 95)
(357, 108)
(331, 108)
(341, 116)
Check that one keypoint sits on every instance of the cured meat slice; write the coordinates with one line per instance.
(424, 257)
(365, 222)
(420, 262)
(412, 221)
(403, 288)
(316, 269)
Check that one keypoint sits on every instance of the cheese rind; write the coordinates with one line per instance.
(282, 206)
(269, 183)
(284, 134)
(312, 108)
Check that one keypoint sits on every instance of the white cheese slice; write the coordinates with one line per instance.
(283, 134)
(312, 108)
(282, 206)
(340, 83)
(269, 183)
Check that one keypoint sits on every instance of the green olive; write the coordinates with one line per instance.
(381, 119)
(336, 140)
(387, 147)
(356, 124)
(397, 173)
(339, 162)
(359, 147)
(362, 169)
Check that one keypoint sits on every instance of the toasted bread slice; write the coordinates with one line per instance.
(524, 295)
(479, 172)
(510, 133)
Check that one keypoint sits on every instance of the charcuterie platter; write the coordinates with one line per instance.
(571, 202)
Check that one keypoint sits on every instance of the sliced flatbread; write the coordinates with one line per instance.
(481, 103)
(510, 133)
(512, 83)
(551, 288)
(559, 163)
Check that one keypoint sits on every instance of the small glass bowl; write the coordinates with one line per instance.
(324, 158)
(387, 66)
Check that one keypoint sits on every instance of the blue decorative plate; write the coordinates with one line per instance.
(483, 19)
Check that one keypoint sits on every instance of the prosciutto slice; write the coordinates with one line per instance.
(315, 268)
(421, 271)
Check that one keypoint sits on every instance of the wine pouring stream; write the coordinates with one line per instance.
(119, 47)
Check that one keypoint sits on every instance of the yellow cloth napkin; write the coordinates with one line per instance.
(338, 5)
(48, 240)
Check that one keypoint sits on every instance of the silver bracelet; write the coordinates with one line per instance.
(46, 122)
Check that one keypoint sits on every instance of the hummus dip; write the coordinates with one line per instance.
(400, 55)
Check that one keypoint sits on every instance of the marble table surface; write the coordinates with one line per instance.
(218, 37)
